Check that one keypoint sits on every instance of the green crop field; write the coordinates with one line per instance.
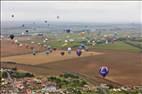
(119, 46)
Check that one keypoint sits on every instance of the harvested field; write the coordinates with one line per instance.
(41, 58)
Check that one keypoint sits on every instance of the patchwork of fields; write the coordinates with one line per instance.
(123, 60)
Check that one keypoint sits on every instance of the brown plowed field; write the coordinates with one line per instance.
(125, 67)
(9, 48)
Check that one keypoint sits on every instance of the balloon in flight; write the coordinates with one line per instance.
(79, 52)
(104, 71)
(12, 15)
(69, 50)
(27, 31)
(62, 53)
(68, 30)
(45, 21)
(54, 49)
(58, 17)
(23, 25)
(11, 36)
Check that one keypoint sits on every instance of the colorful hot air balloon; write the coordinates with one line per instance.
(104, 71)
(78, 52)
(11, 36)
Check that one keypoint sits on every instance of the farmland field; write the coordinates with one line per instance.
(123, 60)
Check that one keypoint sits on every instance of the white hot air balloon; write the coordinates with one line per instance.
(16, 41)
(66, 41)
(32, 42)
(23, 33)
(69, 50)
(46, 39)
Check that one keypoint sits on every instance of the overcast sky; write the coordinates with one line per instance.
(76, 11)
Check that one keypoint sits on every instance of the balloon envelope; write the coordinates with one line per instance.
(45, 21)
(27, 31)
(12, 15)
(58, 17)
(62, 53)
(78, 52)
(11, 36)
(68, 30)
(104, 71)
(23, 25)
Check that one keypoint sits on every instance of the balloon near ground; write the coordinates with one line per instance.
(104, 71)
(62, 53)
(11, 36)
(78, 52)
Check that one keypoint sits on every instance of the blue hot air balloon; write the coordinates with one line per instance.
(78, 52)
(104, 71)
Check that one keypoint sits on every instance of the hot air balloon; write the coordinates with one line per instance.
(50, 50)
(23, 25)
(104, 71)
(82, 46)
(62, 53)
(54, 49)
(66, 41)
(22, 33)
(69, 50)
(47, 52)
(27, 31)
(58, 17)
(68, 30)
(34, 51)
(16, 41)
(11, 36)
(20, 44)
(78, 52)
(12, 15)
(45, 21)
